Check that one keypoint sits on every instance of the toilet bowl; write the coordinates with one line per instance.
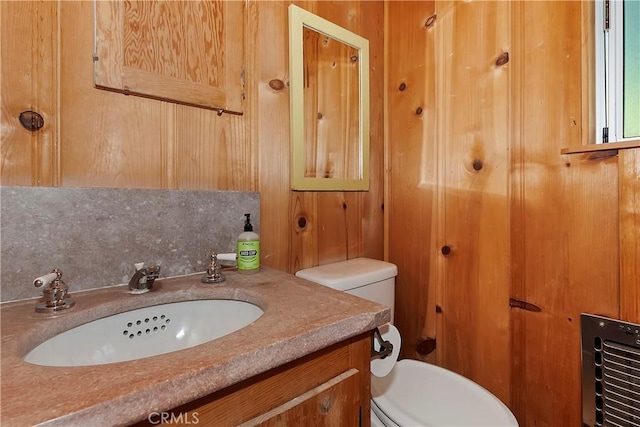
(414, 393)
(421, 394)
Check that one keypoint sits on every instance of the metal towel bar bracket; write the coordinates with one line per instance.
(386, 347)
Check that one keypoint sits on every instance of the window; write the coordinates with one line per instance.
(617, 58)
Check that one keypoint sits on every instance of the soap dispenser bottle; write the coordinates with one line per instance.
(248, 249)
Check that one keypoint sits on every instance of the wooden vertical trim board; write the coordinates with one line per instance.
(46, 92)
(354, 214)
(251, 95)
(386, 200)
(268, 44)
(56, 160)
(517, 209)
(629, 233)
(167, 146)
(588, 74)
(438, 274)
(432, 252)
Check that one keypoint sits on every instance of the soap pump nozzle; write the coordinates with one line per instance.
(247, 223)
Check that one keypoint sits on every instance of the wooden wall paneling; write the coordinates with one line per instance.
(303, 242)
(517, 209)
(364, 217)
(570, 224)
(411, 117)
(371, 209)
(629, 230)
(588, 54)
(356, 222)
(168, 156)
(475, 291)
(332, 227)
(270, 47)
(107, 139)
(212, 152)
(29, 50)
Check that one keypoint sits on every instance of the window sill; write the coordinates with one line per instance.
(634, 143)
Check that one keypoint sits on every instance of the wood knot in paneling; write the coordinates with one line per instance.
(402, 87)
(276, 84)
(301, 222)
(426, 346)
(418, 111)
(445, 250)
(502, 59)
(477, 165)
(325, 405)
(31, 120)
(430, 21)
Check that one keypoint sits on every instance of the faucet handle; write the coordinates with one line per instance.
(54, 293)
(214, 271)
(143, 278)
(230, 256)
(153, 271)
(46, 279)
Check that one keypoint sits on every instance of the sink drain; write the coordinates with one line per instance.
(148, 325)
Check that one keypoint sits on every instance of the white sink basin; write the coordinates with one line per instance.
(144, 332)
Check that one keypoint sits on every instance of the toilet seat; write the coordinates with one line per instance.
(379, 418)
(421, 394)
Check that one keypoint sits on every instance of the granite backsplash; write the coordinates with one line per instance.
(95, 235)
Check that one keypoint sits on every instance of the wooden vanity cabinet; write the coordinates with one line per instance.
(330, 387)
(190, 52)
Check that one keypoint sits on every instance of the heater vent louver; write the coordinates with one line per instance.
(610, 372)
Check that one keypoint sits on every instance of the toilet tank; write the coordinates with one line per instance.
(364, 277)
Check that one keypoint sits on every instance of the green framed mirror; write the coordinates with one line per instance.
(329, 105)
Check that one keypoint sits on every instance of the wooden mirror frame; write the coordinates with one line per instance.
(298, 20)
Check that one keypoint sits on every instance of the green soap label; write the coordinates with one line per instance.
(248, 255)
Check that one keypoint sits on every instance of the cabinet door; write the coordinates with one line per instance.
(189, 52)
(333, 403)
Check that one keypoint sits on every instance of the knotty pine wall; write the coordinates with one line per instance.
(473, 162)
(481, 98)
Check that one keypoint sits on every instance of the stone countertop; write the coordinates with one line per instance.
(299, 318)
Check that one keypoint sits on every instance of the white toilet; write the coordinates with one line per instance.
(414, 393)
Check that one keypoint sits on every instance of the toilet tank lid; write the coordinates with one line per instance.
(350, 274)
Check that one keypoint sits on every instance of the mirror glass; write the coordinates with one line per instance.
(329, 87)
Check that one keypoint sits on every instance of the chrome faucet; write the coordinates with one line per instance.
(214, 271)
(54, 293)
(143, 278)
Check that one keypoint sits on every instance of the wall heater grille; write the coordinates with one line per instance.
(610, 372)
